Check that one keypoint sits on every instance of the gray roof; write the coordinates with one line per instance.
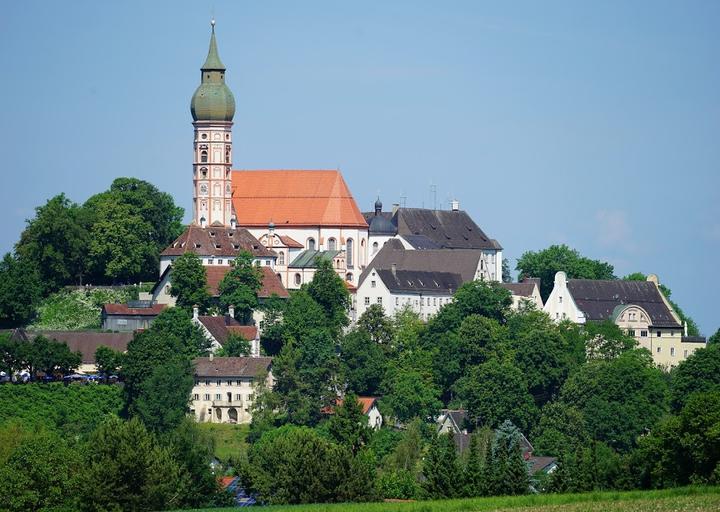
(421, 242)
(519, 289)
(418, 281)
(458, 417)
(448, 229)
(85, 342)
(231, 366)
(599, 299)
(308, 258)
(380, 224)
(462, 261)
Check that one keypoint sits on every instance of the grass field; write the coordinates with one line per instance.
(685, 499)
(229, 439)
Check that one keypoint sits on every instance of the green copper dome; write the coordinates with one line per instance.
(213, 100)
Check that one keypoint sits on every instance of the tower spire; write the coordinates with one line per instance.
(213, 62)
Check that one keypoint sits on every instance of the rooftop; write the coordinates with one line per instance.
(216, 241)
(231, 366)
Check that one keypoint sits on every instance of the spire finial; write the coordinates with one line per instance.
(212, 23)
(213, 63)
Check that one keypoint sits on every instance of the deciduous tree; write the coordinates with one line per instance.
(189, 282)
(240, 286)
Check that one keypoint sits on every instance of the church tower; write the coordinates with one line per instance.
(212, 108)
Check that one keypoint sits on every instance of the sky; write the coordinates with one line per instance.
(593, 124)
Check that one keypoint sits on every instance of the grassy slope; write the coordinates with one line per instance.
(229, 439)
(686, 499)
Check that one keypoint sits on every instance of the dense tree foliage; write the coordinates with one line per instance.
(235, 346)
(699, 372)
(329, 291)
(544, 264)
(38, 357)
(21, 289)
(189, 282)
(240, 286)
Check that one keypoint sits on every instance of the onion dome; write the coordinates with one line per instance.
(213, 100)
(378, 206)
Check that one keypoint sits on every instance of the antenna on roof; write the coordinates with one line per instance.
(433, 191)
(403, 200)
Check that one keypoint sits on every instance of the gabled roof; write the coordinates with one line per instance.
(462, 261)
(271, 284)
(421, 242)
(520, 289)
(448, 229)
(219, 326)
(231, 366)
(294, 198)
(456, 416)
(290, 242)
(86, 342)
(309, 258)
(367, 403)
(598, 299)
(216, 241)
(418, 281)
(248, 332)
(541, 464)
(126, 310)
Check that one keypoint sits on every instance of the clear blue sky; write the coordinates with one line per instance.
(595, 124)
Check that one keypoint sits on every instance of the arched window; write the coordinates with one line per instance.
(203, 172)
(375, 247)
(362, 256)
(349, 253)
(227, 157)
(298, 279)
(203, 156)
(281, 258)
(216, 189)
(348, 276)
(332, 244)
(311, 244)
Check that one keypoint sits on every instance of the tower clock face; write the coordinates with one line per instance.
(203, 189)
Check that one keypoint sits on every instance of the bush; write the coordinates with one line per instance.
(72, 310)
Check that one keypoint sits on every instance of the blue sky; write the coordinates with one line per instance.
(595, 124)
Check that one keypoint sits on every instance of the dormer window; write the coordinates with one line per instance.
(212, 233)
(197, 246)
(217, 246)
(231, 233)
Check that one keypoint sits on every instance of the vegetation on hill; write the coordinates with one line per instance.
(76, 310)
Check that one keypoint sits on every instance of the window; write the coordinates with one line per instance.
(196, 396)
(217, 382)
(375, 247)
(631, 332)
(211, 261)
(122, 321)
(281, 258)
(332, 244)
(348, 276)
(229, 383)
(349, 253)
(311, 244)
(672, 351)
(643, 334)
(397, 301)
(373, 284)
(218, 396)
(298, 279)
(659, 349)
(367, 301)
(659, 334)
(560, 299)
(379, 300)
(203, 156)
(220, 262)
(207, 382)
(207, 397)
(434, 301)
(227, 157)
(238, 397)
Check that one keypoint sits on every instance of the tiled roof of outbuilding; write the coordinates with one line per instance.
(597, 299)
(271, 284)
(216, 241)
(294, 198)
(218, 326)
(126, 310)
(86, 342)
(231, 366)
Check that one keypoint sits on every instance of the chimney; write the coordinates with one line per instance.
(211, 356)
(393, 269)
(196, 311)
(685, 325)
(231, 311)
(455, 205)
(255, 348)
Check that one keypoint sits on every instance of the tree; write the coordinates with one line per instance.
(506, 273)
(108, 361)
(410, 394)
(162, 402)
(544, 264)
(441, 468)
(127, 469)
(121, 247)
(55, 243)
(495, 391)
(510, 468)
(561, 428)
(699, 372)
(348, 426)
(484, 298)
(378, 326)
(20, 291)
(330, 292)
(473, 482)
(52, 357)
(189, 282)
(235, 346)
(363, 362)
(271, 338)
(240, 286)
(605, 340)
(715, 338)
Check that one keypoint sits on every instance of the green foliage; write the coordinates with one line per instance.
(189, 282)
(544, 264)
(71, 410)
(378, 326)
(348, 426)
(39, 473)
(55, 243)
(484, 298)
(715, 338)
(108, 361)
(296, 465)
(441, 468)
(235, 346)
(363, 362)
(509, 470)
(495, 391)
(410, 394)
(75, 310)
(271, 337)
(49, 357)
(329, 291)
(506, 272)
(127, 469)
(20, 291)
(561, 428)
(397, 484)
(592, 467)
(162, 402)
(605, 340)
(240, 286)
(699, 372)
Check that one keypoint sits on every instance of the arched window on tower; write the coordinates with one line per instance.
(203, 156)
(227, 157)
(332, 244)
(203, 172)
(281, 258)
(349, 253)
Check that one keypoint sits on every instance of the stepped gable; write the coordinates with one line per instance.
(414, 281)
(449, 229)
(231, 366)
(216, 241)
(597, 299)
(294, 198)
(464, 262)
(271, 283)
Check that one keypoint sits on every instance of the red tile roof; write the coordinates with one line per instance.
(290, 242)
(124, 309)
(216, 241)
(219, 326)
(271, 283)
(294, 198)
(248, 332)
(367, 403)
(86, 342)
(231, 366)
